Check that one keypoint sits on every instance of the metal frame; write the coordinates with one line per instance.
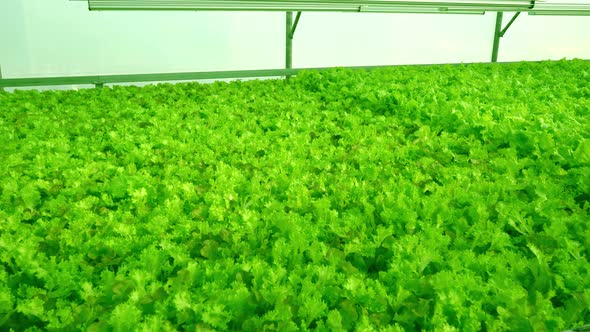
(499, 33)
(290, 28)
(545, 7)
(290, 6)
(101, 80)
(288, 41)
(381, 6)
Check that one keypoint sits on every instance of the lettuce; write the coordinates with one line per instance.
(408, 198)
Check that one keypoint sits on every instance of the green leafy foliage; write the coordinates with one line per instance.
(438, 198)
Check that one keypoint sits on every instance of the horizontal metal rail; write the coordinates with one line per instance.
(313, 5)
(550, 7)
(579, 8)
(561, 12)
(135, 78)
(190, 76)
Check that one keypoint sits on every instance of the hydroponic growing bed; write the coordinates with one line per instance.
(412, 198)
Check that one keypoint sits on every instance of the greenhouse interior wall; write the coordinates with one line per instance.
(62, 38)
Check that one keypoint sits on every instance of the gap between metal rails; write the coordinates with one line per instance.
(101, 80)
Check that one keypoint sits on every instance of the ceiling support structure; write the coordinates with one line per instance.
(376, 6)
(290, 28)
(291, 6)
(499, 33)
(546, 7)
(289, 42)
(292, 33)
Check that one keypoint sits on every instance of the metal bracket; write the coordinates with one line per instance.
(294, 27)
(499, 32)
(503, 32)
(289, 33)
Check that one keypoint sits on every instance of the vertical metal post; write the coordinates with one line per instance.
(289, 42)
(1, 89)
(497, 35)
